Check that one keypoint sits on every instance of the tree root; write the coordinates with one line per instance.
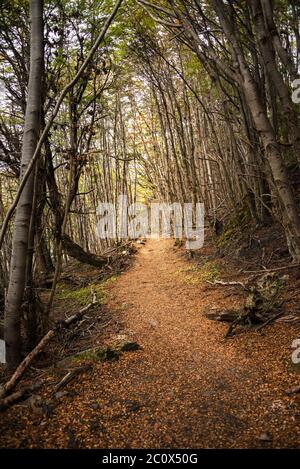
(261, 307)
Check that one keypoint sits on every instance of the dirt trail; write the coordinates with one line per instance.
(187, 387)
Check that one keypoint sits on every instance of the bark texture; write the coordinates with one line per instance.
(17, 280)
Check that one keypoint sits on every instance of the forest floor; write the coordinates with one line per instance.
(187, 387)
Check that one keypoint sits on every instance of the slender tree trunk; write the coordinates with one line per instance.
(276, 78)
(17, 279)
(286, 197)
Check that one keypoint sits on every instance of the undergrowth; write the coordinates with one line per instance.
(235, 227)
(83, 296)
(209, 271)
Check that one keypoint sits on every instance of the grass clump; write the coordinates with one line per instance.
(210, 272)
(82, 296)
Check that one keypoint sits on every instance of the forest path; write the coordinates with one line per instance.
(187, 387)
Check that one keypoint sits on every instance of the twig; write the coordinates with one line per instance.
(276, 269)
(71, 375)
(75, 317)
(104, 325)
(221, 282)
(269, 320)
(11, 384)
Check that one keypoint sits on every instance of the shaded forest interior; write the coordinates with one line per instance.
(164, 102)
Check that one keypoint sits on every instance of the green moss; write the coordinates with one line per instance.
(210, 272)
(225, 237)
(83, 296)
(190, 268)
(235, 226)
(110, 280)
(194, 268)
(88, 355)
(191, 279)
(98, 355)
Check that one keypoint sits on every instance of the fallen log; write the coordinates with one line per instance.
(222, 316)
(18, 396)
(75, 317)
(74, 250)
(13, 381)
(71, 375)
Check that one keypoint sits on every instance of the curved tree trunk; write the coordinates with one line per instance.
(74, 250)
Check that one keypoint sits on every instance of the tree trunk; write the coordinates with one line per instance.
(276, 78)
(286, 197)
(74, 250)
(17, 279)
